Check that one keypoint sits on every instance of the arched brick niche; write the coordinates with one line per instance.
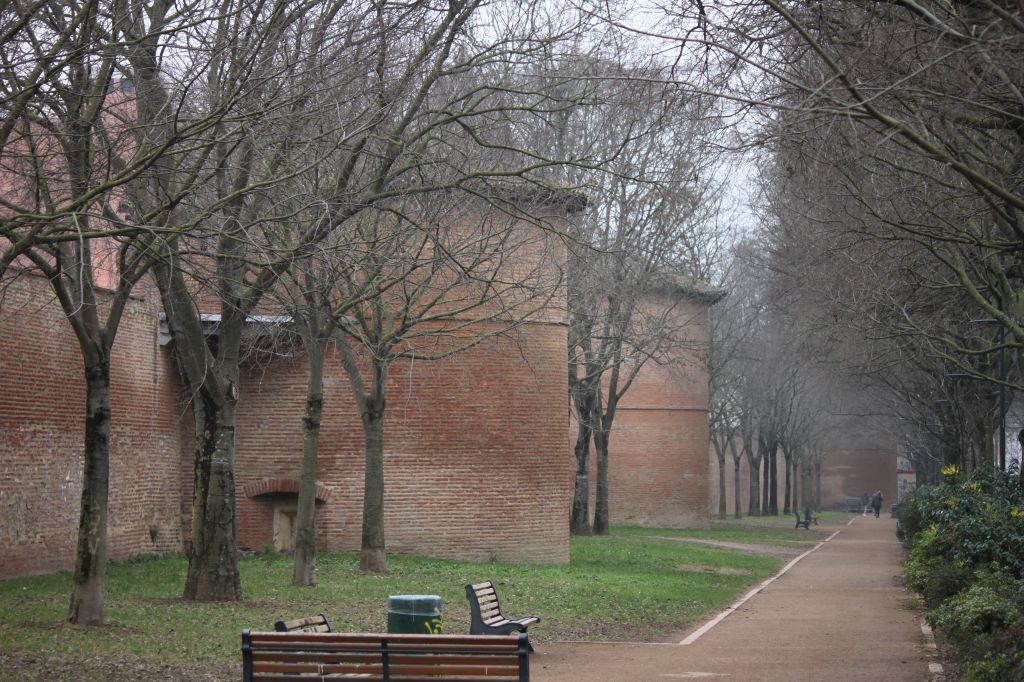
(270, 486)
(272, 505)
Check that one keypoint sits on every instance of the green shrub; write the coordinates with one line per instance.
(981, 520)
(929, 570)
(994, 668)
(913, 515)
(976, 616)
(964, 538)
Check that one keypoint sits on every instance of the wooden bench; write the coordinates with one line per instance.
(485, 613)
(318, 623)
(303, 656)
(806, 523)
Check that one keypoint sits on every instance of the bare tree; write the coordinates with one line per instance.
(445, 284)
(911, 114)
(375, 101)
(729, 333)
(418, 278)
(92, 123)
(649, 220)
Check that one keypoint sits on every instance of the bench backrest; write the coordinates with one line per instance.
(318, 623)
(484, 598)
(298, 656)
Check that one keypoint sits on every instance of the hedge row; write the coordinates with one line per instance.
(966, 542)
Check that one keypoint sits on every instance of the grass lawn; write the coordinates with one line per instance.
(622, 588)
(767, 530)
(828, 518)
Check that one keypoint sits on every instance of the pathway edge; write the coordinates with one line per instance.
(703, 629)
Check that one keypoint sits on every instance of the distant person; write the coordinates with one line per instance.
(876, 502)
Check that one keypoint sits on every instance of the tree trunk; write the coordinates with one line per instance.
(602, 525)
(371, 403)
(986, 443)
(304, 566)
(87, 596)
(579, 523)
(754, 497)
(372, 556)
(213, 557)
(801, 498)
(773, 485)
(789, 492)
(817, 486)
(213, 384)
(720, 452)
(765, 483)
(736, 486)
(1020, 470)
(805, 485)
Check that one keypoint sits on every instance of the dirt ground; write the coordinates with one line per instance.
(840, 613)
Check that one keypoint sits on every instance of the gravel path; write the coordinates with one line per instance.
(839, 613)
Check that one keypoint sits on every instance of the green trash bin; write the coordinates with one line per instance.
(414, 614)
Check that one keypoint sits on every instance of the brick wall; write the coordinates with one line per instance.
(857, 465)
(476, 460)
(657, 471)
(657, 455)
(476, 463)
(42, 409)
(475, 445)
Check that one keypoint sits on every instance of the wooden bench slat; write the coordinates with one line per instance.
(344, 648)
(484, 674)
(436, 678)
(485, 612)
(317, 623)
(326, 658)
(314, 658)
(375, 638)
(300, 656)
(478, 669)
(298, 668)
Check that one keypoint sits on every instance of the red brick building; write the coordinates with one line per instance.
(475, 453)
(477, 457)
(657, 454)
(42, 406)
(476, 461)
(657, 461)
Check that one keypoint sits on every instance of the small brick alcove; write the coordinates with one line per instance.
(276, 502)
